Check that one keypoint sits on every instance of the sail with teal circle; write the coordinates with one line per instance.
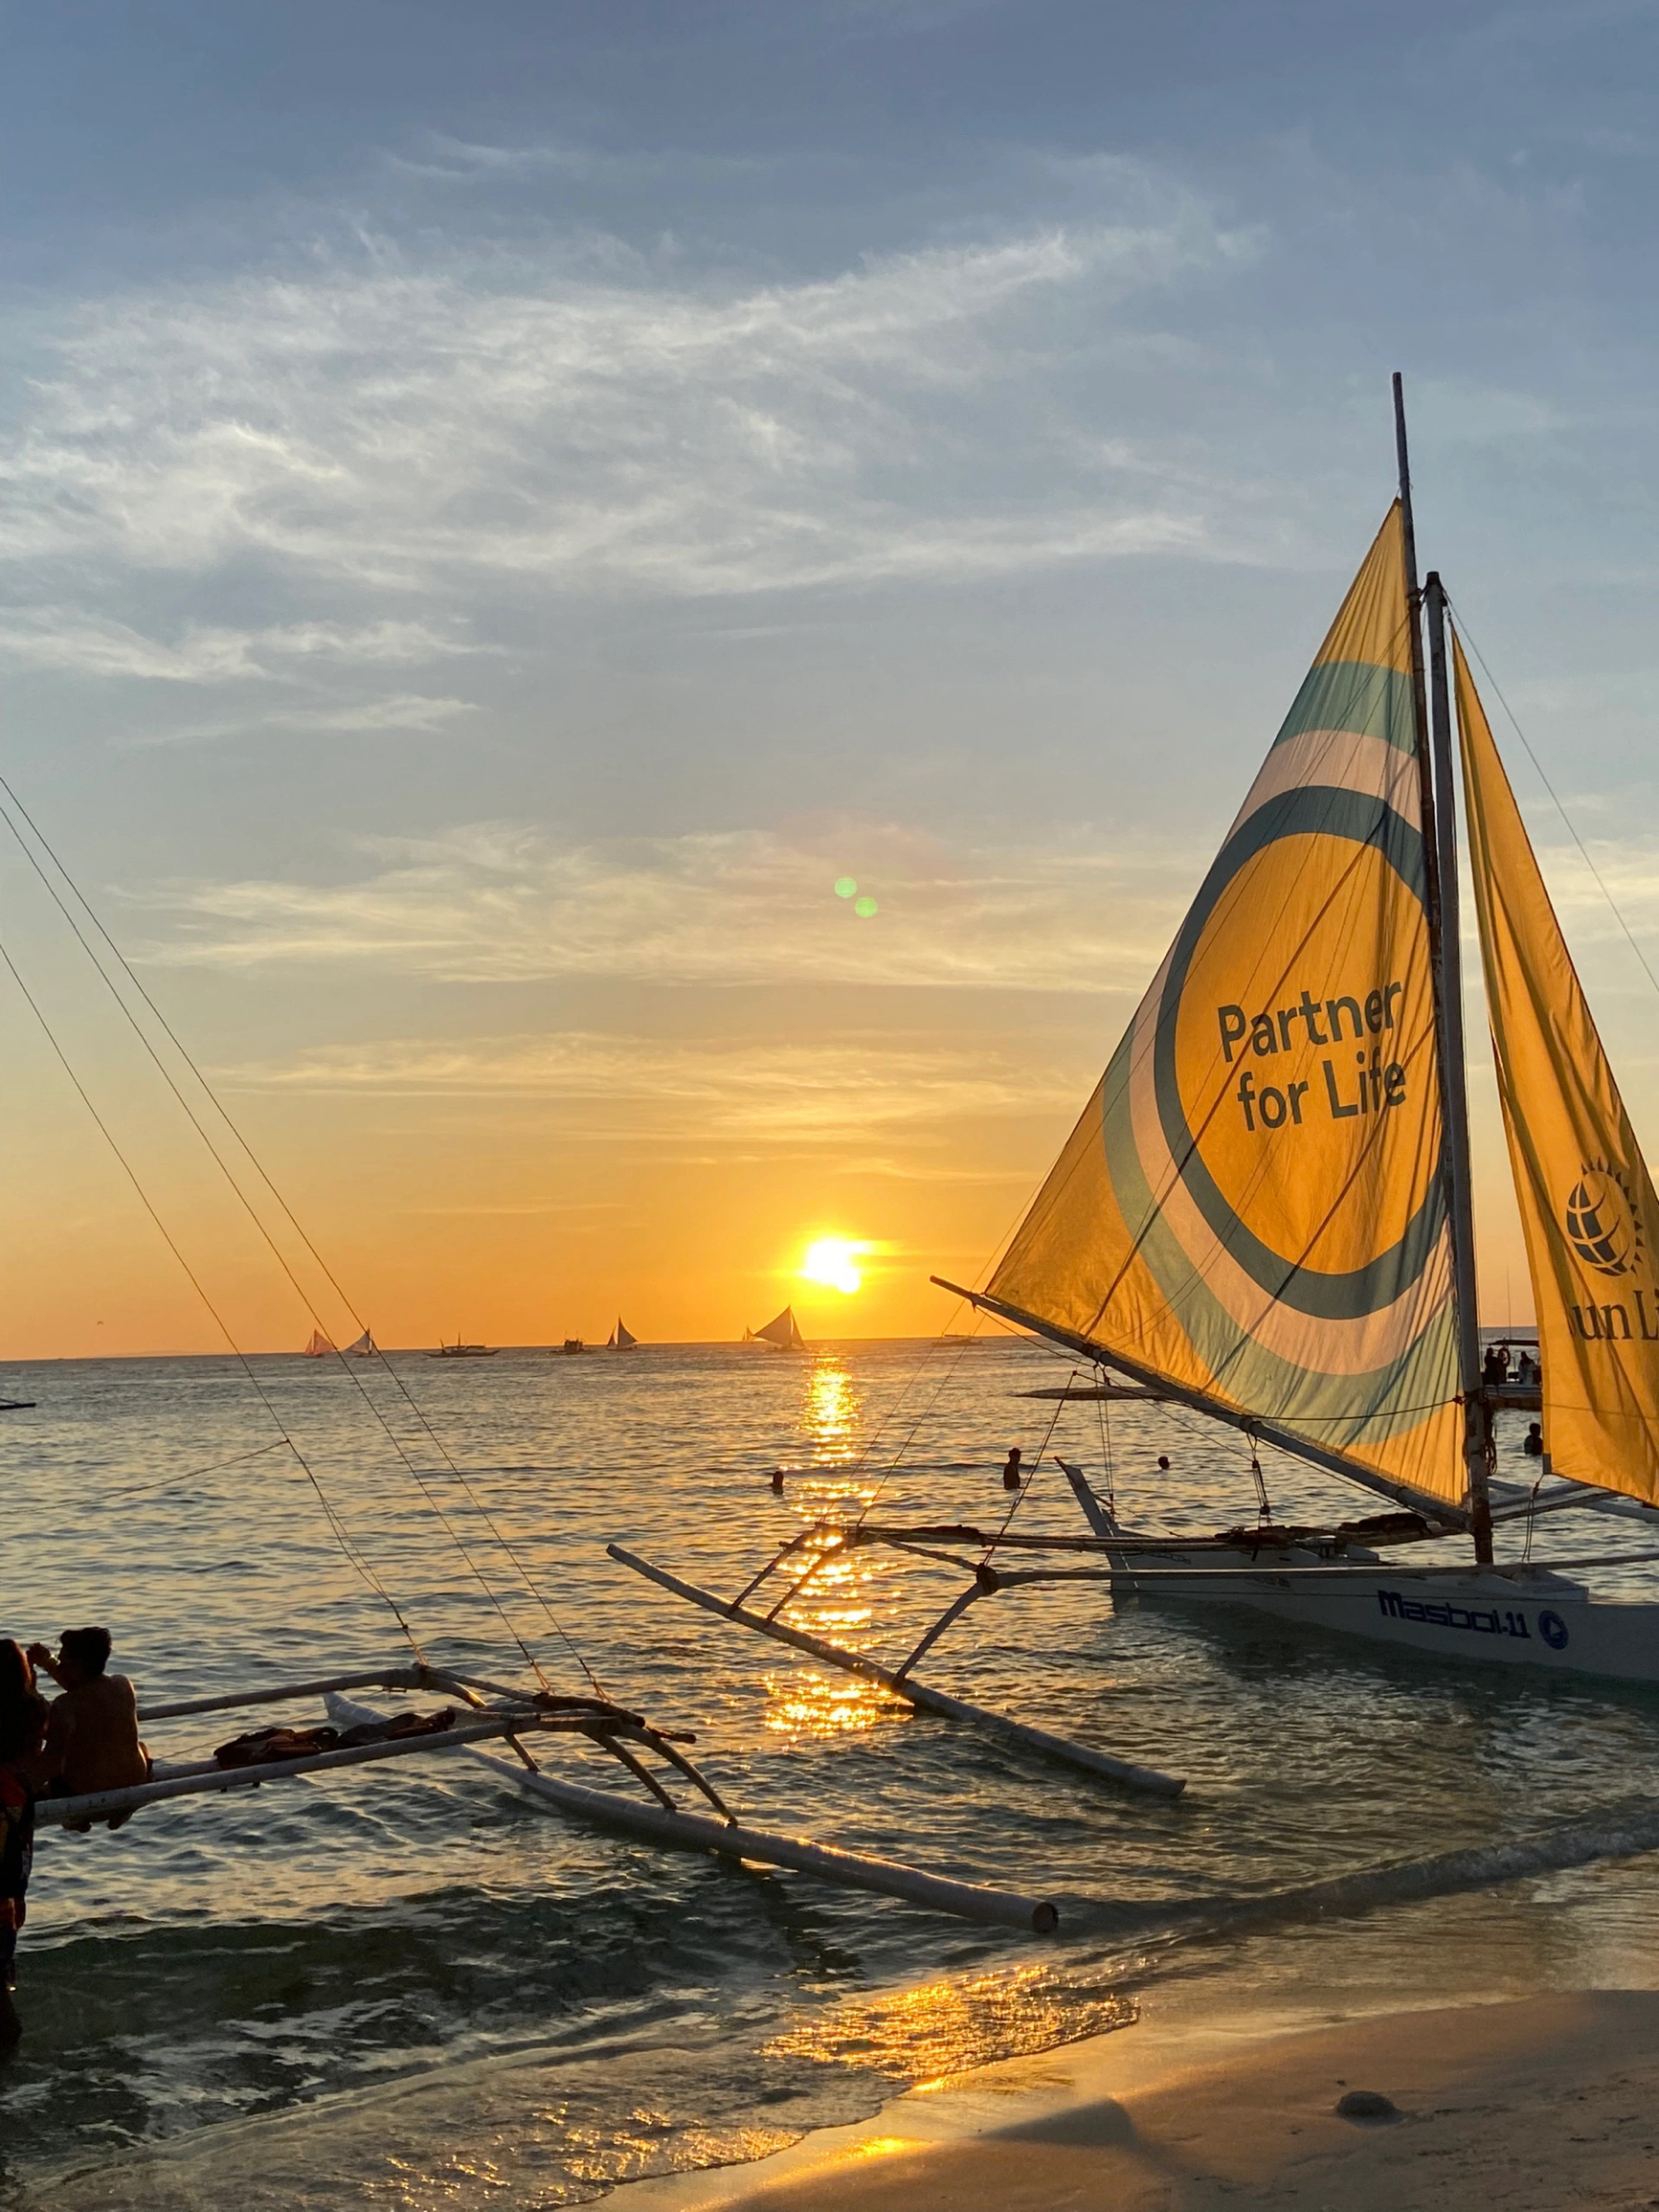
(1253, 1206)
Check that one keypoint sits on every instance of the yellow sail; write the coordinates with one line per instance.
(1254, 1203)
(1586, 1199)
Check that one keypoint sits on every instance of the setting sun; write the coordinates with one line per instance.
(830, 1261)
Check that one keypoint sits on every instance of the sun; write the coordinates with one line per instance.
(830, 1261)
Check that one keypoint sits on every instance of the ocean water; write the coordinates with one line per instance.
(408, 1988)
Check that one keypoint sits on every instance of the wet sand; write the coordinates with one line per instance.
(1520, 2107)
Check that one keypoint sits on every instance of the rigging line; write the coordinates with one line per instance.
(1178, 1168)
(1233, 897)
(909, 1436)
(353, 1554)
(276, 1249)
(1583, 855)
(191, 1475)
(1020, 1495)
(920, 1368)
(1374, 1138)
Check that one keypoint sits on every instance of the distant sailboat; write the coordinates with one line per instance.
(780, 1333)
(621, 1338)
(460, 1352)
(320, 1345)
(363, 1347)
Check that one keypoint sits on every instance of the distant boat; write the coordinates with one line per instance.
(621, 1338)
(363, 1347)
(16, 1405)
(571, 1344)
(460, 1352)
(320, 1345)
(780, 1333)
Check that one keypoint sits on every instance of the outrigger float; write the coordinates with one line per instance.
(1263, 1215)
(355, 1735)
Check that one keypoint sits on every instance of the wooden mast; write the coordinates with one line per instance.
(1439, 872)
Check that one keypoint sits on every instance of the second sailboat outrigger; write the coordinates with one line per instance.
(1264, 1213)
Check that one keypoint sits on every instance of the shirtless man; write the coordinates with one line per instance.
(92, 1729)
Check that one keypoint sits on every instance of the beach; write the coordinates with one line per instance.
(1529, 2105)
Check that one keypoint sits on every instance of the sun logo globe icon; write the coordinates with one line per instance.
(1599, 1228)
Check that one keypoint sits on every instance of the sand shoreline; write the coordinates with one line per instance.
(1533, 2103)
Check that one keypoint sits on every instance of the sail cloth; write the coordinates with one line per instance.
(780, 1331)
(318, 1348)
(1253, 1205)
(364, 1346)
(621, 1338)
(1586, 1200)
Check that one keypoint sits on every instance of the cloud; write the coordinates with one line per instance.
(503, 903)
(66, 638)
(606, 425)
(848, 1087)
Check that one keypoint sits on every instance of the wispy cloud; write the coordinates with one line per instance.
(849, 1087)
(505, 903)
(611, 427)
(89, 645)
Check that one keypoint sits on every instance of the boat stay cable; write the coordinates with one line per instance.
(352, 1552)
(479, 1507)
(1497, 693)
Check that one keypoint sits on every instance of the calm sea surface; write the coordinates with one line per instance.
(407, 1988)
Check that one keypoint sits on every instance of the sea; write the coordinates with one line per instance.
(408, 1987)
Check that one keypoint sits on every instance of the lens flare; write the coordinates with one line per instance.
(846, 885)
(830, 1261)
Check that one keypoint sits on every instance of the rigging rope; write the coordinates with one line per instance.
(1463, 630)
(352, 1552)
(278, 1254)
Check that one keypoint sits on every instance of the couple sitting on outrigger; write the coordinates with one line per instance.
(85, 1741)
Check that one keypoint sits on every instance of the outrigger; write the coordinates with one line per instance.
(485, 1712)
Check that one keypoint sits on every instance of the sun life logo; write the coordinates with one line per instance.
(1602, 1224)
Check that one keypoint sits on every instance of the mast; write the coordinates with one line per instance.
(1440, 871)
(1476, 1415)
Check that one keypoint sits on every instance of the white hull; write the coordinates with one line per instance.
(1518, 1616)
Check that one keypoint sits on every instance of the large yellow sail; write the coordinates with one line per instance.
(1586, 1199)
(1253, 1205)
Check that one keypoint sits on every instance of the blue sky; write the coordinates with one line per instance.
(511, 502)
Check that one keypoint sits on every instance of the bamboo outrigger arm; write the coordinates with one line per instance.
(520, 1717)
(902, 1684)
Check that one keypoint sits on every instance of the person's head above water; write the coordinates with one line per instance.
(82, 1653)
(22, 1707)
(17, 1675)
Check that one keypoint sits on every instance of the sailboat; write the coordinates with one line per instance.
(780, 1333)
(363, 1347)
(1264, 1212)
(319, 1346)
(621, 1338)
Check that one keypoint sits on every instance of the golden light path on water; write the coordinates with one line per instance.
(421, 1990)
(840, 1602)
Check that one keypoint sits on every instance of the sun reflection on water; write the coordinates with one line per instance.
(829, 1414)
(927, 2035)
(816, 1705)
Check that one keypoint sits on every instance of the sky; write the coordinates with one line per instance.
(508, 505)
